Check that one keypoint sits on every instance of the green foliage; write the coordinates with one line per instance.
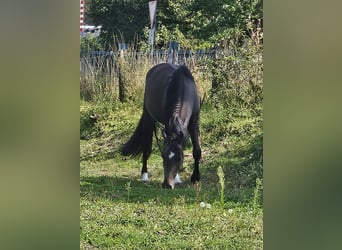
(256, 195)
(237, 72)
(164, 36)
(192, 23)
(215, 17)
(90, 43)
(87, 126)
(122, 20)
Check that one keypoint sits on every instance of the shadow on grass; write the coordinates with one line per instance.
(125, 189)
(97, 155)
(133, 190)
(239, 169)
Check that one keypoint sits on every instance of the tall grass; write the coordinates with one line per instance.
(98, 79)
(101, 76)
(230, 75)
(237, 73)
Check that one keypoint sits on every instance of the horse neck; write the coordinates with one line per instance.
(175, 119)
(173, 122)
(173, 114)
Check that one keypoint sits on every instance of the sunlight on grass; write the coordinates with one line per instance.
(119, 211)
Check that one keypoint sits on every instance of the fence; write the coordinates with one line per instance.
(106, 62)
(119, 74)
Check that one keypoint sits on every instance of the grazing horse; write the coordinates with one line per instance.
(171, 99)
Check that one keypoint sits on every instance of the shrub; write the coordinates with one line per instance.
(237, 72)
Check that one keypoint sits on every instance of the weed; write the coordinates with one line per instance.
(220, 175)
(256, 194)
(197, 187)
(128, 189)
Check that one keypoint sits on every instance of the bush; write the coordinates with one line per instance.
(237, 73)
(90, 43)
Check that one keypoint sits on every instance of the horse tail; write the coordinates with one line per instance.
(134, 146)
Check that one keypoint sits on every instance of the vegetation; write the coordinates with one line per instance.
(118, 211)
(195, 24)
(223, 210)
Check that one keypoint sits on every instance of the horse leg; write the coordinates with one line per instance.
(148, 126)
(196, 148)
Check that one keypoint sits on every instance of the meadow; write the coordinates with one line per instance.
(222, 211)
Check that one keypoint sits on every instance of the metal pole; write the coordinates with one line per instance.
(153, 9)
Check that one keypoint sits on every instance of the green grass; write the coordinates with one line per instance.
(118, 211)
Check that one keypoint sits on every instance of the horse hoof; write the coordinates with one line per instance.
(167, 186)
(144, 177)
(195, 179)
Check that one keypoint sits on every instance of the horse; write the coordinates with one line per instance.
(171, 99)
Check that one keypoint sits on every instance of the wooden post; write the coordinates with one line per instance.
(122, 96)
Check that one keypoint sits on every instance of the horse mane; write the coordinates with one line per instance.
(174, 98)
(175, 91)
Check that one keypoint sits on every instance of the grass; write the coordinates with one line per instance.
(118, 211)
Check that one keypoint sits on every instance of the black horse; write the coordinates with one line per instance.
(171, 99)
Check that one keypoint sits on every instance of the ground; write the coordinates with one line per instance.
(119, 211)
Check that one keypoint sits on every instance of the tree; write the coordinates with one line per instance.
(191, 22)
(120, 20)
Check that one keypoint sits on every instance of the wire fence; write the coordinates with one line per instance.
(107, 61)
(115, 74)
(120, 75)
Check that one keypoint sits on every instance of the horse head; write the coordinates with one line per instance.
(172, 153)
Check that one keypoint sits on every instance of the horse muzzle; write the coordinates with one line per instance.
(169, 185)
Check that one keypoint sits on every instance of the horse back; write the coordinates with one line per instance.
(157, 86)
(157, 82)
